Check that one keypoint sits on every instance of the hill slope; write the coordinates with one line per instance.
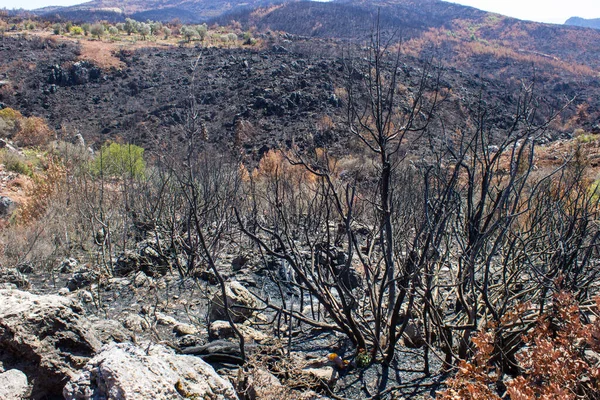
(163, 10)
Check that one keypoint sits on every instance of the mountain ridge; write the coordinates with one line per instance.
(593, 23)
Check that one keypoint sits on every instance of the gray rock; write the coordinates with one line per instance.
(83, 277)
(185, 329)
(134, 322)
(125, 371)
(220, 330)
(46, 337)
(13, 276)
(13, 385)
(414, 336)
(68, 265)
(241, 303)
(108, 330)
(6, 206)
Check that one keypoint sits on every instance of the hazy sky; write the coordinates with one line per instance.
(31, 4)
(555, 11)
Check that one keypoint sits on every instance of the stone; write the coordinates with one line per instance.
(241, 303)
(13, 385)
(8, 286)
(128, 262)
(109, 330)
(46, 337)
(85, 296)
(7, 205)
(134, 322)
(126, 371)
(184, 329)
(220, 330)
(167, 320)
(326, 374)
(12, 275)
(81, 278)
(264, 385)
(413, 334)
(68, 265)
(146, 258)
(25, 268)
(141, 279)
(64, 291)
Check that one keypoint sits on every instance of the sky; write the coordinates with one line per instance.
(32, 4)
(553, 11)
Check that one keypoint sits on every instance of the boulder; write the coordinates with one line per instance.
(241, 303)
(261, 384)
(134, 322)
(109, 330)
(68, 265)
(6, 206)
(13, 385)
(46, 337)
(13, 276)
(81, 278)
(185, 329)
(126, 371)
(220, 330)
(146, 258)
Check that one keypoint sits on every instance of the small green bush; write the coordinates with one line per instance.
(120, 160)
(76, 30)
(15, 162)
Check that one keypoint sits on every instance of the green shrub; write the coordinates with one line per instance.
(120, 160)
(15, 162)
(76, 30)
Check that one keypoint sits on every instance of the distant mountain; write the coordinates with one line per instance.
(163, 10)
(586, 23)
(464, 36)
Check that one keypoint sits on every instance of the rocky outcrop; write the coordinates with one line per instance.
(46, 337)
(79, 73)
(81, 278)
(14, 277)
(126, 371)
(13, 385)
(240, 302)
(148, 258)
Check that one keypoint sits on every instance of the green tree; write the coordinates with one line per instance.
(188, 32)
(97, 30)
(155, 27)
(144, 30)
(130, 26)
